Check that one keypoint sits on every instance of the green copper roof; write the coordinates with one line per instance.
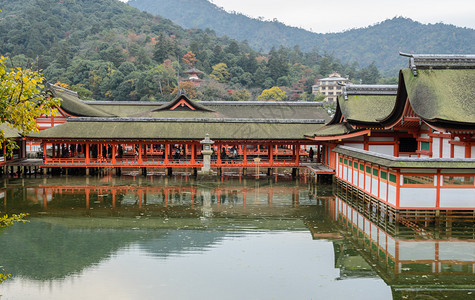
(366, 108)
(71, 104)
(8, 131)
(442, 94)
(179, 129)
(332, 130)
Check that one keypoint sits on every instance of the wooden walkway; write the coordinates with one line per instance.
(318, 168)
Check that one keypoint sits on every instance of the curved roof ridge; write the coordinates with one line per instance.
(170, 105)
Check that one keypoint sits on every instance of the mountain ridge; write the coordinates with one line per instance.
(379, 42)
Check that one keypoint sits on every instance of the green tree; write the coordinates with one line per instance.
(242, 95)
(21, 100)
(220, 73)
(273, 94)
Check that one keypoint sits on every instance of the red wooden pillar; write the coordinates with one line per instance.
(167, 153)
(193, 153)
(244, 151)
(44, 151)
(113, 153)
(140, 153)
(87, 153)
(219, 154)
(270, 152)
(297, 153)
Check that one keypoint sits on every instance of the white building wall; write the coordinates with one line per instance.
(361, 180)
(367, 183)
(374, 187)
(392, 194)
(417, 197)
(459, 151)
(457, 197)
(383, 186)
(436, 147)
(473, 152)
(357, 146)
(446, 148)
(383, 149)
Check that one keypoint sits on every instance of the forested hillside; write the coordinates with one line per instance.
(108, 50)
(379, 43)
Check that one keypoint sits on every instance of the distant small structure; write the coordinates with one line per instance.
(330, 87)
(193, 76)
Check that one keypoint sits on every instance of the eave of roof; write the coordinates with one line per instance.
(173, 129)
(72, 105)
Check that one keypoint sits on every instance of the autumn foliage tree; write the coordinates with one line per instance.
(220, 73)
(190, 59)
(273, 94)
(21, 100)
(188, 87)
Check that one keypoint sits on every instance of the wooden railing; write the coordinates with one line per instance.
(161, 162)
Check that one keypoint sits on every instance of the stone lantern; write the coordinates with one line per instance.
(206, 152)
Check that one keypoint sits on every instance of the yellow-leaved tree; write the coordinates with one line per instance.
(273, 94)
(22, 100)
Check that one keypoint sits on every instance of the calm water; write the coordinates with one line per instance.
(234, 238)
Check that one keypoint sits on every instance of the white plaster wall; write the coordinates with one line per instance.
(416, 250)
(345, 172)
(473, 152)
(417, 197)
(446, 148)
(350, 173)
(435, 147)
(338, 173)
(374, 187)
(367, 183)
(357, 146)
(355, 177)
(361, 180)
(383, 187)
(457, 197)
(383, 149)
(461, 251)
(459, 151)
(392, 194)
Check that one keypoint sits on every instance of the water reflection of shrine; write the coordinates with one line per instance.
(414, 261)
(154, 198)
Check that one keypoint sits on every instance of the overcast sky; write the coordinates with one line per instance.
(338, 15)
